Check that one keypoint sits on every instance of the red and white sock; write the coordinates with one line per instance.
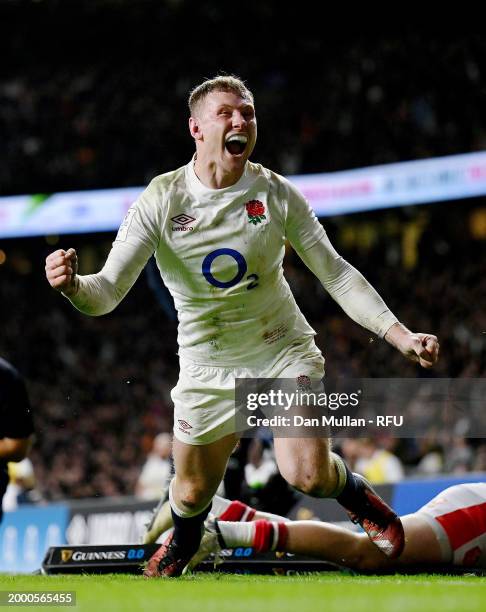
(227, 510)
(262, 535)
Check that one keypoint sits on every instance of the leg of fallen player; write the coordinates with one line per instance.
(224, 509)
(355, 550)
(332, 543)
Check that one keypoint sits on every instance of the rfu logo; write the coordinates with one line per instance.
(182, 223)
(303, 382)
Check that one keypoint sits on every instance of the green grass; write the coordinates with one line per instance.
(328, 592)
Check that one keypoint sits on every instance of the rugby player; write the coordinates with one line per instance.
(16, 424)
(449, 530)
(218, 228)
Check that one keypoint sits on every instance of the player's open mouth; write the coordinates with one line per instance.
(236, 144)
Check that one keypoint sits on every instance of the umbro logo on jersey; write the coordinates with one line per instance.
(182, 219)
(182, 223)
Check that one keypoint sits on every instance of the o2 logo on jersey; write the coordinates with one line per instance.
(242, 269)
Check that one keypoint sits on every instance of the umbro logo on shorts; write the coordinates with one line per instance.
(182, 222)
(184, 424)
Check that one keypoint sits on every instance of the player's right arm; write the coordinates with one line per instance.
(61, 271)
(98, 294)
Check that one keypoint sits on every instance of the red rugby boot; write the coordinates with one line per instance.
(166, 561)
(379, 521)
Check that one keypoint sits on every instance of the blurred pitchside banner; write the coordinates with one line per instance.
(28, 532)
(337, 193)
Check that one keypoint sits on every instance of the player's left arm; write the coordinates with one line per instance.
(363, 304)
(349, 288)
(419, 347)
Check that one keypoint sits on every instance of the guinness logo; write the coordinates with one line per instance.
(66, 555)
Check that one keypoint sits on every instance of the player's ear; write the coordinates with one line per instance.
(195, 128)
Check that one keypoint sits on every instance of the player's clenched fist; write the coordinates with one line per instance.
(418, 347)
(61, 270)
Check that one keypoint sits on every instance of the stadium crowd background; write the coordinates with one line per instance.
(86, 114)
(95, 95)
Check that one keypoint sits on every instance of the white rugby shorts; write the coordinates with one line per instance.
(458, 518)
(204, 397)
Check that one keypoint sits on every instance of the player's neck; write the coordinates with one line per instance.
(214, 176)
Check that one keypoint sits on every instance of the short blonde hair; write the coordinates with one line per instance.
(225, 83)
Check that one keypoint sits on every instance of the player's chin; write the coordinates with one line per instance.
(236, 160)
(426, 364)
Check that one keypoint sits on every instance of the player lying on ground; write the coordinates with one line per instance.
(218, 227)
(450, 529)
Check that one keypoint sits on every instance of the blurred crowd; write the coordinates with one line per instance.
(95, 97)
(101, 386)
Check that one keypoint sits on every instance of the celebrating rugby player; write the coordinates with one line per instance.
(218, 228)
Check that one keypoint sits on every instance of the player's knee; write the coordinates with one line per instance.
(310, 483)
(195, 495)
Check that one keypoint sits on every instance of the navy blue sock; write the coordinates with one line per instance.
(351, 494)
(188, 531)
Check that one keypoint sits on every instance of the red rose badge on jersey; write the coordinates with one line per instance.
(256, 211)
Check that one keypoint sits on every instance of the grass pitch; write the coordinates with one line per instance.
(329, 592)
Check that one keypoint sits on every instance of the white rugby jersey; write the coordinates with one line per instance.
(458, 517)
(220, 253)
